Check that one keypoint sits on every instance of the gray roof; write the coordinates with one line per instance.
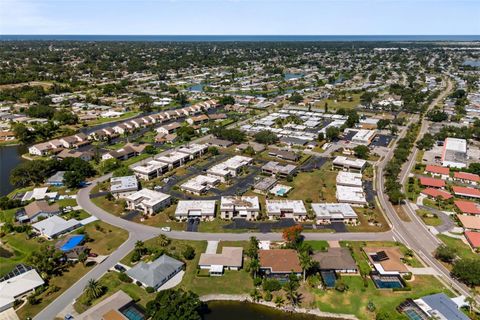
(335, 259)
(442, 304)
(156, 272)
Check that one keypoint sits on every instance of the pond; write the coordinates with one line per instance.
(10, 157)
(235, 310)
(472, 63)
(196, 88)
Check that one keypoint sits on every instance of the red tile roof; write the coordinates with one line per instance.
(473, 238)
(438, 169)
(468, 207)
(280, 260)
(432, 192)
(432, 182)
(465, 191)
(467, 176)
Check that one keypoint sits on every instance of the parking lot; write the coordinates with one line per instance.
(382, 140)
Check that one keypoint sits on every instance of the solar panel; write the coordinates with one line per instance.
(380, 256)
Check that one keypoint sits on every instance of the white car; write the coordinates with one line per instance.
(166, 229)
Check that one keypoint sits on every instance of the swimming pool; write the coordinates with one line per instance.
(132, 313)
(387, 282)
(329, 278)
(281, 191)
(72, 242)
(413, 315)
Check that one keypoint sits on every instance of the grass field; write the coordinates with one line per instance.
(318, 245)
(105, 237)
(113, 284)
(338, 104)
(318, 186)
(61, 283)
(356, 298)
(19, 247)
(428, 218)
(162, 219)
(463, 250)
(115, 207)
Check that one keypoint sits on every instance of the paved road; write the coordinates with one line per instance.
(142, 232)
(415, 234)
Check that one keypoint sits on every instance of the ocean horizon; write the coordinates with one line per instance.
(240, 38)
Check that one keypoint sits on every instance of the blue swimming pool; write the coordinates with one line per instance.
(329, 278)
(281, 192)
(387, 282)
(413, 315)
(72, 242)
(133, 313)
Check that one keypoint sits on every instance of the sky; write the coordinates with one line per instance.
(241, 17)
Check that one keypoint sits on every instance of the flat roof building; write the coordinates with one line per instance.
(200, 184)
(231, 258)
(275, 168)
(121, 187)
(334, 212)
(454, 153)
(174, 159)
(148, 201)
(264, 185)
(352, 195)
(246, 207)
(229, 168)
(293, 209)
(151, 170)
(349, 179)
(348, 164)
(195, 209)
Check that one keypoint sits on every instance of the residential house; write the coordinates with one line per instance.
(200, 184)
(203, 209)
(338, 260)
(326, 213)
(120, 187)
(36, 210)
(148, 201)
(246, 207)
(279, 263)
(18, 284)
(276, 169)
(156, 273)
(118, 306)
(231, 258)
(292, 209)
(55, 226)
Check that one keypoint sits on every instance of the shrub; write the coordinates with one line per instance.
(271, 285)
(189, 252)
(150, 289)
(267, 296)
(257, 281)
(124, 277)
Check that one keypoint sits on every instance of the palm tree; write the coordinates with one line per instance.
(306, 263)
(278, 301)
(291, 293)
(82, 257)
(254, 267)
(163, 241)
(94, 289)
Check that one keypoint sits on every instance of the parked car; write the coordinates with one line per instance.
(120, 268)
(166, 229)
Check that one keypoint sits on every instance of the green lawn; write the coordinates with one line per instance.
(318, 186)
(428, 218)
(338, 104)
(105, 237)
(124, 116)
(115, 207)
(318, 245)
(463, 250)
(135, 159)
(112, 284)
(8, 215)
(57, 286)
(356, 298)
(19, 248)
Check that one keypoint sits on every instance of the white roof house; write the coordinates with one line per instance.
(242, 207)
(229, 167)
(330, 212)
(17, 286)
(150, 170)
(352, 195)
(173, 158)
(349, 164)
(200, 184)
(195, 208)
(147, 200)
(194, 149)
(363, 136)
(123, 184)
(349, 179)
(285, 208)
(39, 194)
(55, 226)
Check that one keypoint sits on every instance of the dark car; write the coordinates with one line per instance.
(120, 268)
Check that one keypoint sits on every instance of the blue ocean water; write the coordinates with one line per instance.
(254, 38)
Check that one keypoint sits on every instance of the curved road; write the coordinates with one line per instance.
(142, 232)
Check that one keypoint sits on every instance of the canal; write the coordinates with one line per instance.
(234, 310)
(10, 157)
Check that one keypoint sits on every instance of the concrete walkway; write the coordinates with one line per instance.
(423, 271)
(212, 247)
(173, 282)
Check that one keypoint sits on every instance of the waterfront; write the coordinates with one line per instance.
(10, 157)
(235, 310)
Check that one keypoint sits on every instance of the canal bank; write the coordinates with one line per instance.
(240, 307)
(10, 157)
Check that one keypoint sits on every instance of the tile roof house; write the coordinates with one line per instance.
(115, 307)
(386, 260)
(279, 263)
(434, 193)
(467, 177)
(469, 222)
(467, 207)
(432, 182)
(466, 192)
(473, 238)
(437, 170)
(154, 274)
